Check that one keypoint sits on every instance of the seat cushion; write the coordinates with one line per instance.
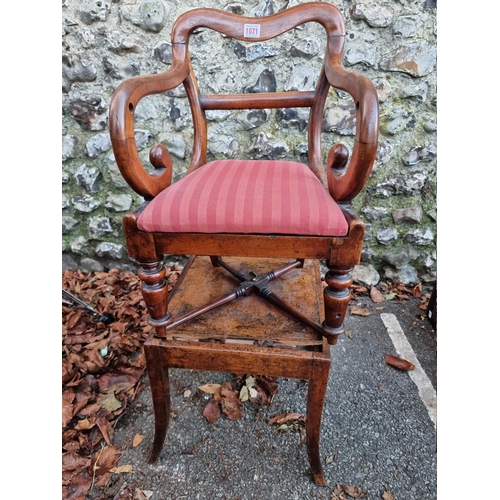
(246, 196)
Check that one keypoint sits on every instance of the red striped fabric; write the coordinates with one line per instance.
(246, 196)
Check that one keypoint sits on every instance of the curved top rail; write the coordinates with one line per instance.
(269, 27)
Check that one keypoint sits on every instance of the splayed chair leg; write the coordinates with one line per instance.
(160, 391)
(155, 293)
(315, 400)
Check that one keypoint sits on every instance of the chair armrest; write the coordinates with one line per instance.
(345, 183)
(121, 126)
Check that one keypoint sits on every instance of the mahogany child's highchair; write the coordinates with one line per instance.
(250, 300)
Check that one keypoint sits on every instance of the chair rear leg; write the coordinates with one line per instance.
(160, 391)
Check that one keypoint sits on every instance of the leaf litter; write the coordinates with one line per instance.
(102, 374)
(351, 491)
(229, 397)
(389, 291)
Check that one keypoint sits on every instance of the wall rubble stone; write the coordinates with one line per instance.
(393, 43)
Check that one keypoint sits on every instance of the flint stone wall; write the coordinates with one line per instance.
(393, 43)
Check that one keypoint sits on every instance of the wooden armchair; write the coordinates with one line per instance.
(255, 228)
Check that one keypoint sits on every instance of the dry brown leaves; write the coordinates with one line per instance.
(387, 495)
(399, 363)
(388, 291)
(228, 398)
(351, 491)
(102, 369)
(289, 421)
(360, 311)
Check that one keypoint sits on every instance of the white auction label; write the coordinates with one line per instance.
(251, 30)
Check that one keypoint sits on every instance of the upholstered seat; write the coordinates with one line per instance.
(246, 196)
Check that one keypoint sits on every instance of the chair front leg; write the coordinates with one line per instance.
(160, 392)
(336, 296)
(315, 399)
(155, 293)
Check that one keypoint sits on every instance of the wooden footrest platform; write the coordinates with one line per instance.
(248, 319)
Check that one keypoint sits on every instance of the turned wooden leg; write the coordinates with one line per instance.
(337, 296)
(160, 391)
(315, 400)
(155, 293)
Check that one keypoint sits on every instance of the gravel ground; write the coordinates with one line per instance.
(376, 432)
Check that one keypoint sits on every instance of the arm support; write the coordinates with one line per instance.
(121, 126)
(345, 183)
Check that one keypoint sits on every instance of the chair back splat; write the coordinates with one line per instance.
(250, 299)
